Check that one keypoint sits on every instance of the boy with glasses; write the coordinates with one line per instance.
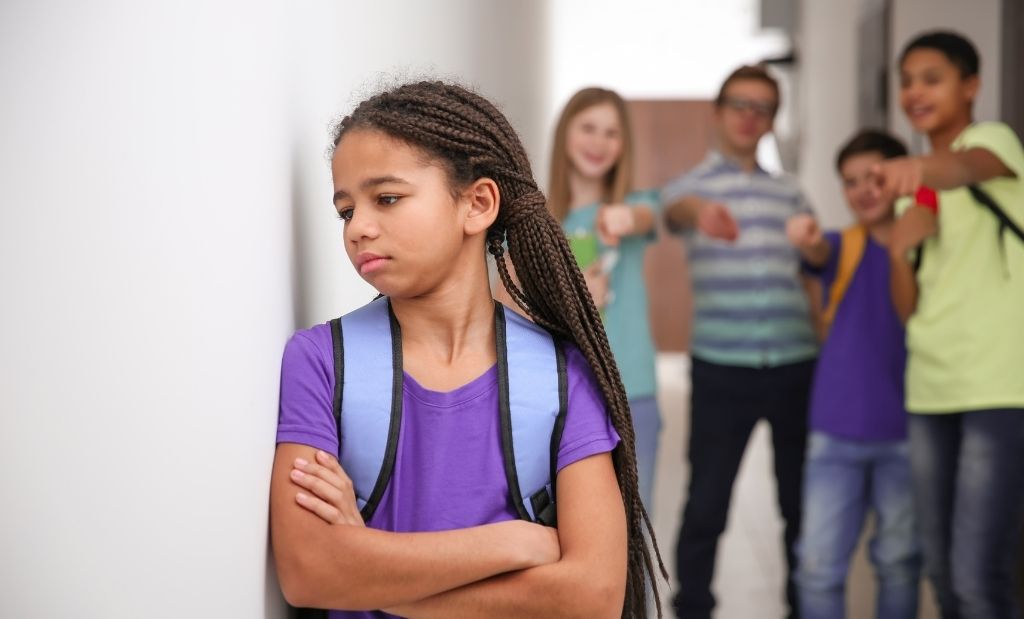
(753, 343)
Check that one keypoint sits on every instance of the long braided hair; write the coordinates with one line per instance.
(466, 133)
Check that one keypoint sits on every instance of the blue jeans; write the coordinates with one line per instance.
(843, 480)
(969, 488)
(647, 427)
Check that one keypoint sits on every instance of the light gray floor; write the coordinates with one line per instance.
(750, 566)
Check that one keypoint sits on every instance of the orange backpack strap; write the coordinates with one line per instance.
(851, 250)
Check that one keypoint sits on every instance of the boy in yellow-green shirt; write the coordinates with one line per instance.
(964, 309)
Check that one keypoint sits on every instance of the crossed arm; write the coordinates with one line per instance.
(327, 559)
(587, 582)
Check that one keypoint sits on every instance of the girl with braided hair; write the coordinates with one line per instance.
(427, 176)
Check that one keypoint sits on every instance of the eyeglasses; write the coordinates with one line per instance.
(760, 108)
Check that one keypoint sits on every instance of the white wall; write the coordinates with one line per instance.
(165, 224)
(654, 50)
(828, 105)
(143, 265)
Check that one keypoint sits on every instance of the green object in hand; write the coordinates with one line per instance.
(584, 246)
(586, 249)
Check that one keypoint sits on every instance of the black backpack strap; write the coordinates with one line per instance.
(1005, 223)
(982, 197)
(505, 417)
(337, 338)
(338, 343)
(541, 501)
(391, 451)
(919, 257)
(547, 514)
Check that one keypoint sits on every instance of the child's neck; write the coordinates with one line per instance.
(448, 334)
(445, 315)
(746, 160)
(584, 191)
(942, 138)
(881, 231)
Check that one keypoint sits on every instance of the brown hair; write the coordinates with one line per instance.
(466, 134)
(619, 180)
(870, 141)
(748, 72)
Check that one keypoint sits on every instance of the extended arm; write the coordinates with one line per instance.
(711, 218)
(904, 175)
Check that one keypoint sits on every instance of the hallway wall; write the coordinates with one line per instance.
(165, 224)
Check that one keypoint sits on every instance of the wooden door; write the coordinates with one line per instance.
(669, 138)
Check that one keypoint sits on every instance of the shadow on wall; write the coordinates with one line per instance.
(299, 263)
(274, 606)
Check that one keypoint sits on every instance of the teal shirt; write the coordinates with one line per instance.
(625, 316)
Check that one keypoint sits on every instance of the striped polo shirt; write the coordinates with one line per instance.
(750, 308)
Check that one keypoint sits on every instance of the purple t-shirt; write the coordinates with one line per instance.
(448, 470)
(858, 385)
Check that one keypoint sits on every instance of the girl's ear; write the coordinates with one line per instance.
(483, 199)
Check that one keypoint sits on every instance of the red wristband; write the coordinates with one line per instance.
(927, 198)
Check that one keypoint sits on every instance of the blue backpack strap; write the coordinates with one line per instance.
(369, 408)
(532, 402)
